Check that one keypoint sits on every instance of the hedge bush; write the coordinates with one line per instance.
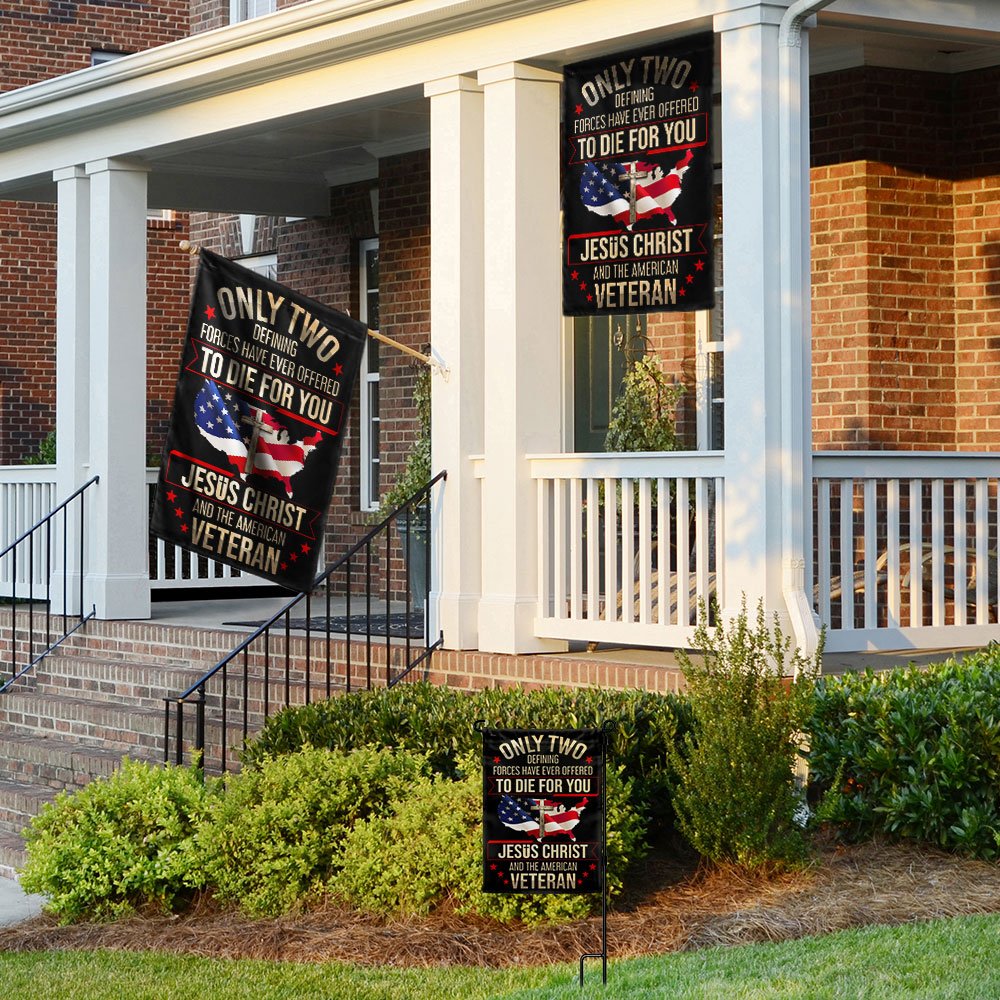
(914, 752)
(737, 799)
(118, 843)
(428, 850)
(268, 844)
(439, 723)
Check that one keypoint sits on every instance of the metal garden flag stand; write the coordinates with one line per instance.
(545, 816)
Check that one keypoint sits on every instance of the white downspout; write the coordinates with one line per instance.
(796, 347)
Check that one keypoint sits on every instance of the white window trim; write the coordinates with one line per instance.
(368, 502)
(265, 264)
(236, 11)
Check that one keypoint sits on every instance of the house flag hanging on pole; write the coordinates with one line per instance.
(259, 415)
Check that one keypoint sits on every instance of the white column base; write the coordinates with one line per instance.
(458, 619)
(507, 625)
(118, 597)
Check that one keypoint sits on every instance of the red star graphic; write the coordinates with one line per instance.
(593, 868)
(690, 279)
(210, 312)
(184, 529)
(583, 286)
(294, 556)
(590, 298)
(493, 868)
(178, 512)
(496, 760)
(590, 760)
(694, 86)
(574, 275)
(699, 265)
(284, 566)
(338, 369)
(171, 496)
(682, 291)
(305, 548)
(579, 109)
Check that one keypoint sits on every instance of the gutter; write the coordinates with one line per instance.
(796, 350)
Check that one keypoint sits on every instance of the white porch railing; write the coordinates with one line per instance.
(27, 494)
(628, 545)
(906, 549)
(174, 568)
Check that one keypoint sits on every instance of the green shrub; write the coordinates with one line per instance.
(439, 723)
(737, 798)
(428, 850)
(118, 843)
(269, 843)
(917, 751)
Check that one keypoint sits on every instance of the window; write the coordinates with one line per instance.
(264, 264)
(368, 299)
(98, 57)
(711, 359)
(244, 10)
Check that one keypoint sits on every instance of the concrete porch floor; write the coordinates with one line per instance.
(220, 613)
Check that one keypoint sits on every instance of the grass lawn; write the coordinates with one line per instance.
(942, 960)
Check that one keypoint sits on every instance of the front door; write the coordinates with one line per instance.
(601, 346)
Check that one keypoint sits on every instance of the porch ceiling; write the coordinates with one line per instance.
(266, 116)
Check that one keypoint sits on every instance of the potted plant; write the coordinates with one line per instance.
(415, 475)
(643, 419)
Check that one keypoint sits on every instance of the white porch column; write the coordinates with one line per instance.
(766, 367)
(523, 313)
(72, 369)
(119, 579)
(457, 240)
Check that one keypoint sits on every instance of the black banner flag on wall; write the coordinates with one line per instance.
(637, 181)
(259, 412)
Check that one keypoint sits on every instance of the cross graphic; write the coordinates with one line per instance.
(258, 426)
(632, 175)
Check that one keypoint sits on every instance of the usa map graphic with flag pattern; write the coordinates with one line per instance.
(225, 420)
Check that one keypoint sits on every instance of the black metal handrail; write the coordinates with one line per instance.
(48, 524)
(250, 695)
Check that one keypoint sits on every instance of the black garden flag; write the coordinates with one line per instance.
(543, 810)
(259, 415)
(637, 181)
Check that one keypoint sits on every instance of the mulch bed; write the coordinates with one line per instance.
(682, 908)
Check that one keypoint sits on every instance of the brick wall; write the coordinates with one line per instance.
(38, 42)
(906, 230)
(27, 328)
(167, 301)
(977, 261)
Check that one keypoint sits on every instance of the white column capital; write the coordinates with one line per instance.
(452, 85)
(765, 13)
(69, 173)
(108, 164)
(504, 72)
